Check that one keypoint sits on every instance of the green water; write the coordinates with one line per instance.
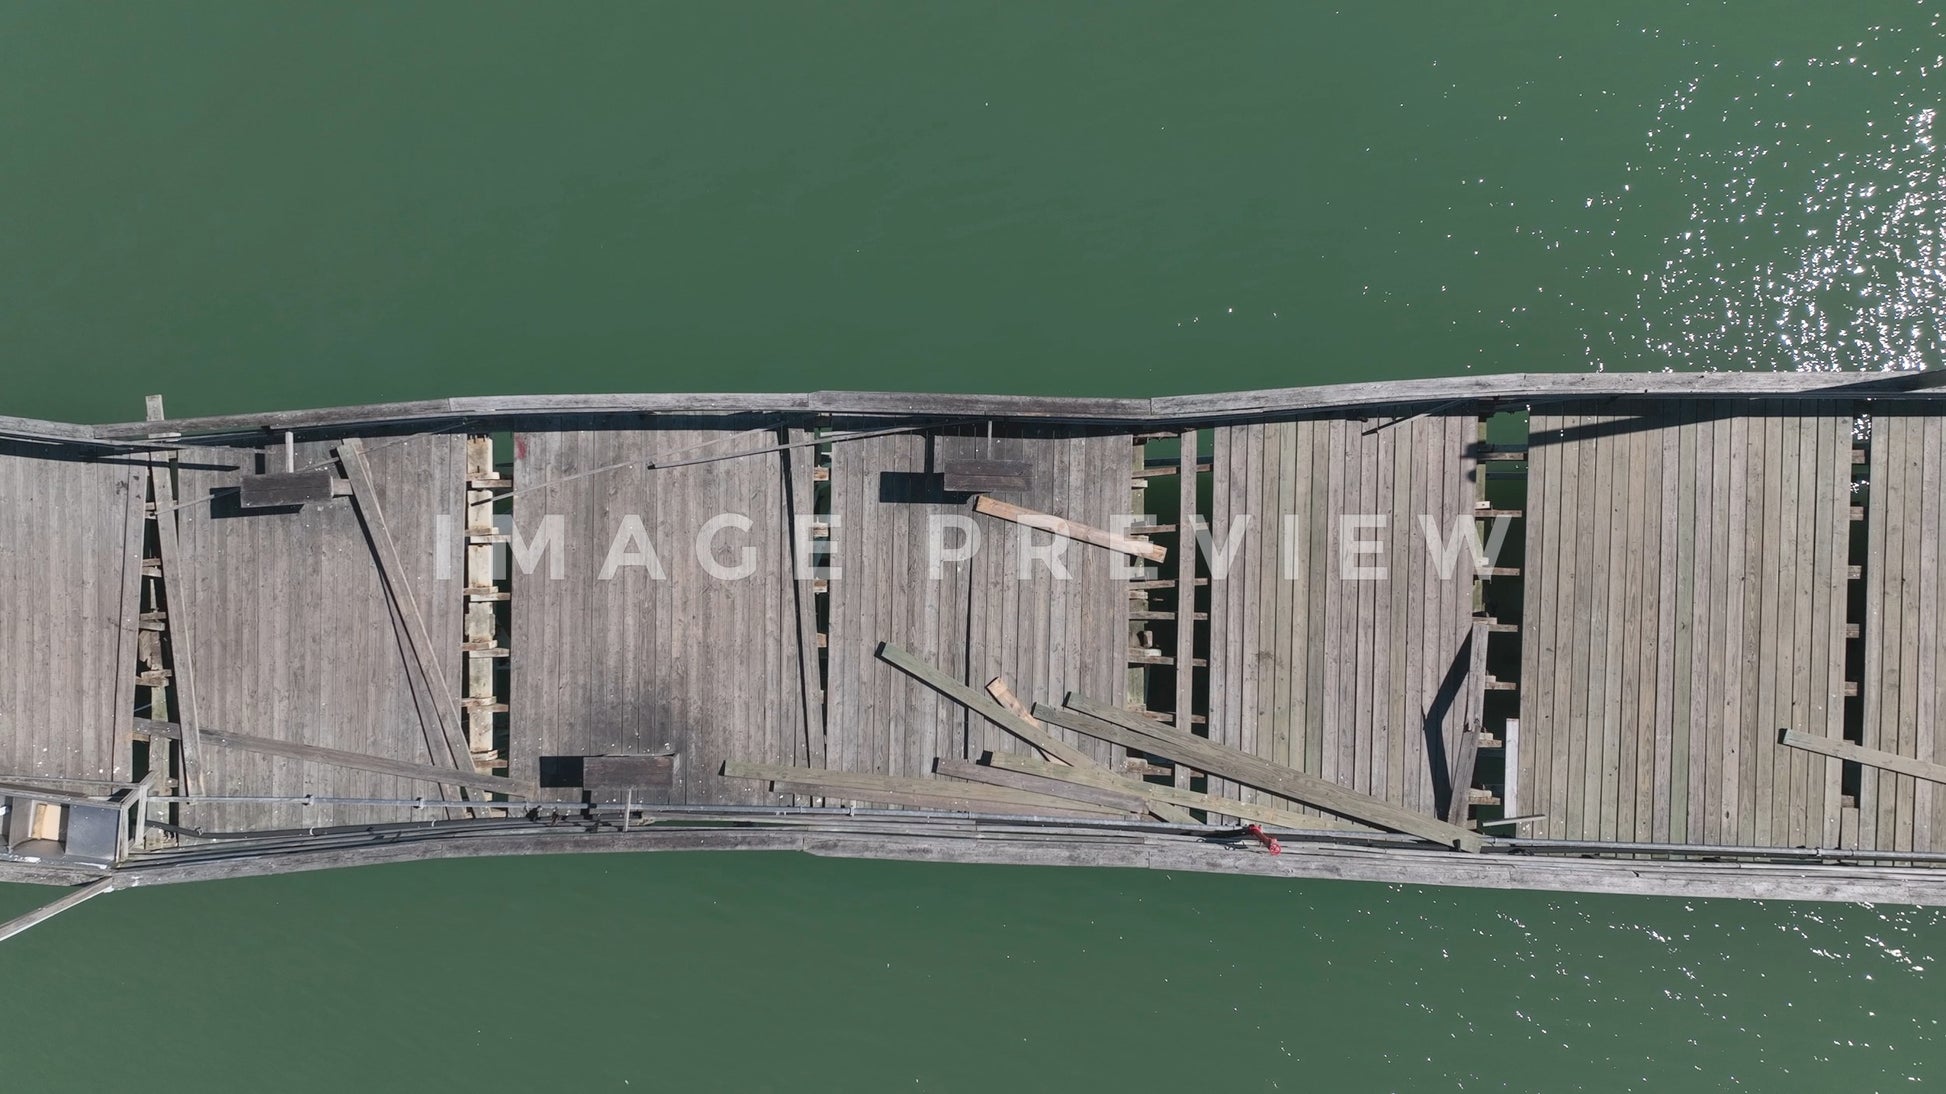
(252, 206)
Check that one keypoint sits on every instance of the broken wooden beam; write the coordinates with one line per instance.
(1870, 757)
(1109, 798)
(48, 911)
(1026, 728)
(1135, 731)
(980, 704)
(423, 663)
(177, 589)
(1061, 526)
(1162, 792)
(332, 757)
(909, 790)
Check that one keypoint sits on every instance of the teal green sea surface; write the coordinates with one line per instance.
(264, 205)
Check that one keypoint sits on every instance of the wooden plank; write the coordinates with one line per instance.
(1466, 753)
(1033, 734)
(181, 613)
(863, 787)
(1020, 780)
(1187, 503)
(425, 663)
(1157, 794)
(1931, 674)
(335, 757)
(1029, 518)
(51, 909)
(1870, 757)
(1004, 695)
(1670, 624)
(800, 493)
(1131, 731)
(1509, 388)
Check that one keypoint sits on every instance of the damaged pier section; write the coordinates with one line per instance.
(1658, 634)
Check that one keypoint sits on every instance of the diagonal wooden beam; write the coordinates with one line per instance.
(1870, 757)
(181, 600)
(1134, 731)
(1162, 792)
(424, 662)
(333, 757)
(986, 707)
(1061, 526)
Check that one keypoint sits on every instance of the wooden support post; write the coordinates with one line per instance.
(424, 662)
(1060, 526)
(177, 585)
(46, 912)
(1136, 732)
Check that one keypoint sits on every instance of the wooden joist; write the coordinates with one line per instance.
(1134, 731)
(1060, 526)
(357, 761)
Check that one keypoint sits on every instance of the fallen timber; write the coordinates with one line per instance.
(1661, 633)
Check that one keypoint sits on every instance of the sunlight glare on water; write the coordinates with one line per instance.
(1815, 202)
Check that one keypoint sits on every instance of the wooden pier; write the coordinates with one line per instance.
(1658, 633)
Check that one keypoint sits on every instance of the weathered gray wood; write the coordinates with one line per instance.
(425, 662)
(864, 787)
(972, 700)
(1136, 732)
(48, 911)
(182, 611)
(1160, 796)
(1870, 757)
(1021, 780)
(1511, 388)
(337, 757)
(801, 493)
(1187, 506)
(1070, 529)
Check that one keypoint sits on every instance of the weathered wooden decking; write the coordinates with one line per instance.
(1682, 580)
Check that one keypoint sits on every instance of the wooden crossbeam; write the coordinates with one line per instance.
(1061, 526)
(1134, 731)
